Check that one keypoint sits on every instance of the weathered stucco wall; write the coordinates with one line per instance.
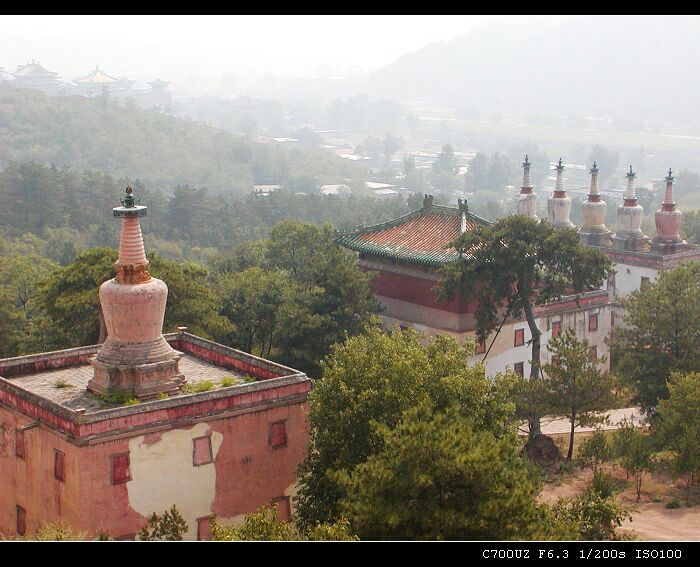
(245, 474)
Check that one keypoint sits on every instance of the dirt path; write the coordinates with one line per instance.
(650, 520)
(653, 521)
(551, 425)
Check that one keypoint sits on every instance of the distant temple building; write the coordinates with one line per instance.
(96, 83)
(100, 437)
(405, 254)
(34, 76)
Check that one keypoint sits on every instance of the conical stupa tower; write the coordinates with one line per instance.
(527, 199)
(594, 231)
(559, 205)
(668, 223)
(135, 358)
(629, 234)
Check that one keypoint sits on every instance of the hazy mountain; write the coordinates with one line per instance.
(627, 68)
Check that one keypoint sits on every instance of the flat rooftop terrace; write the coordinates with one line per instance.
(67, 386)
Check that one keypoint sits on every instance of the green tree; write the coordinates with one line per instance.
(577, 387)
(514, 265)
(677, 426)
(334, 298)
(373, 378)
(662, 323)
(437, 478)
(595, 451)
(257, 303)
(169, 526)
(634, 452)
(691, 226)
(263, 525)
(593, 516)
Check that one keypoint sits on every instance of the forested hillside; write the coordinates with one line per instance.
(162, 151)
(71, 210)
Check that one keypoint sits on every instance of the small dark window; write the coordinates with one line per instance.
(644, 282)
(403, 327)
(126, 537)
(481, 347)
(519, 337)
(203, 528)
(612, 319)
(19, 443)
(593, 323)
(59, 465)
(556, 329)
(120, 468)
(519, 368)
(202, 453)
(21, 520)
(555, 360)
(593, 354)
(278, 434)
(284, 509)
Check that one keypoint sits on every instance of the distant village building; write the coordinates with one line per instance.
(265, 190)
(100, 437)
(339, 189)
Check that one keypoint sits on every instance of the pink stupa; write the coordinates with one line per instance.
(668, 221)
(135, 357)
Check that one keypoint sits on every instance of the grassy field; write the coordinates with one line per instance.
(546, 135)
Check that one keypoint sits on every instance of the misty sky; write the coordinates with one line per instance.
(185, 49)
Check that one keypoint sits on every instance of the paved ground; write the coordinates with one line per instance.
(554, 425)
(74, 379)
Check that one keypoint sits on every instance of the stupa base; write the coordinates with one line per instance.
(635, 243)
(143, 381)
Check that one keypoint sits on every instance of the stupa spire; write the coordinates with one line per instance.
(594, 231)
(559, 205)
(629, 235)
(668, 221)
(527, 199)
(630, 192)
(135, 357)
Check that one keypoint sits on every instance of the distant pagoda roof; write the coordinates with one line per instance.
(33, 69)
(100, 77)
(418, 237)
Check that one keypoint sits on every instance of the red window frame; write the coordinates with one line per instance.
(481, 347)
(203, 528)
(519, 337)
(519, 368)
(20, 444)
(21, 520)
(115, 469)
(556, 329)
(284, 508)
(59, 465)
(278, 434)
(593, 322)
(210, 458)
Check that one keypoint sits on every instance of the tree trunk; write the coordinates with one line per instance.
(534, 418)
(571, 438)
